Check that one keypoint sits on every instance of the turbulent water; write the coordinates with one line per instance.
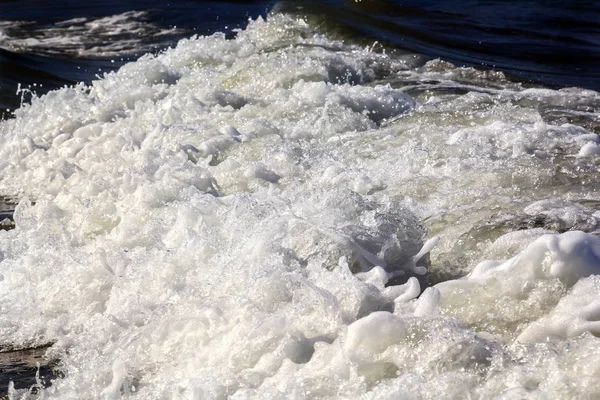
(287, 215)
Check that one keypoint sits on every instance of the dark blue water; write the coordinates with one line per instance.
(45, 45)
(556, 42)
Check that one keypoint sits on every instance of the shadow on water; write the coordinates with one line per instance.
(26, 369)
(7, 209)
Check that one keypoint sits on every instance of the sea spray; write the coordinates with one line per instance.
(224, 220)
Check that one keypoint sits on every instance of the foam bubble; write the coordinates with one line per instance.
(253, 218)
(524, 288)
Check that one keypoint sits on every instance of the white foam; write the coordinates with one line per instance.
(114, 35)
(575, 314)
(589, 149)
(221, 220)
(517, 291)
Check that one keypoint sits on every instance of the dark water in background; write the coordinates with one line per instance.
(45, 45)
(79, 40)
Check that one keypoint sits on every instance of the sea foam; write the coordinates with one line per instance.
(225, 219)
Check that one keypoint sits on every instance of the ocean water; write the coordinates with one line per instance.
(325, 201)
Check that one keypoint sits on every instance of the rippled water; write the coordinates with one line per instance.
(44, 46)
(47, 45)
(293, 211)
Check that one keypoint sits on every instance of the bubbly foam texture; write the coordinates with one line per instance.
(225, 219)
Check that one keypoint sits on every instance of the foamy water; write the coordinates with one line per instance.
(114, 35)
(221, 220)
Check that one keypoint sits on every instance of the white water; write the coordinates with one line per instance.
(114, 35)
(221, 220)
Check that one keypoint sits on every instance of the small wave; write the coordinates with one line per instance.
(127, 33)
